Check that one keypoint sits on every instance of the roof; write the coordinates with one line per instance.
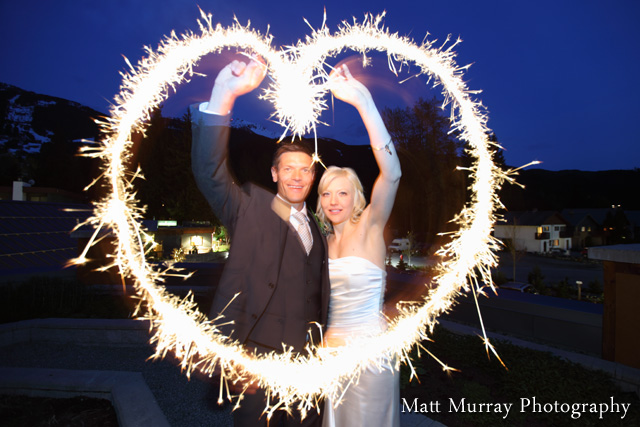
(633, 217)
(575, 216)
(533, 218)
(35, 236)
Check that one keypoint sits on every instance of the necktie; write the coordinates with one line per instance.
(303, 231)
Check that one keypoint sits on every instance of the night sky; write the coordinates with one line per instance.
(557, 77)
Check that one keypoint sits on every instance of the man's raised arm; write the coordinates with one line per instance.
(210, 133)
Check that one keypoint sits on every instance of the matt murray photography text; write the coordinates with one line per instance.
(526, 404)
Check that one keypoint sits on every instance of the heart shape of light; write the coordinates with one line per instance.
(178, 326)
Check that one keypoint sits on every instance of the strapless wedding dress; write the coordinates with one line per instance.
(355, 310)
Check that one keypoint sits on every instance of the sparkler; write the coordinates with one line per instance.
(297, 73)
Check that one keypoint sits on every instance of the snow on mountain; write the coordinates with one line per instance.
(257, 129)
(28, 120)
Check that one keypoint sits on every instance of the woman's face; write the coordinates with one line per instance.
(337, 200)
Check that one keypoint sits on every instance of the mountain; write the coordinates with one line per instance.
(28, 120)
(239, 123)
(39, 137)
(556, 190)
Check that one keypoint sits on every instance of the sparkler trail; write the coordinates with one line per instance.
(298, 72)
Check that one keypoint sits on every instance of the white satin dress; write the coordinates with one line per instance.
(355, 310)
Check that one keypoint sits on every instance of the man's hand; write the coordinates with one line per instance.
(234, 80)
(332, 340)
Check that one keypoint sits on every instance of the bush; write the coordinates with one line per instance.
(407, 373)
(536, 279)
(563, 290)
(482, 379)
(498, 277)
(402, 266)
(594, 287)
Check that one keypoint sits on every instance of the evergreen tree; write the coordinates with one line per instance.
(164, 155)
(432, 190)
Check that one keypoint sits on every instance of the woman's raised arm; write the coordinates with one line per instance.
(346, 88)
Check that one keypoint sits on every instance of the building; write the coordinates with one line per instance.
(535, 231)
(621, 302)
(597, 227)
(587, 225)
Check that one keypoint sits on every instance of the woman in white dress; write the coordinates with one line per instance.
(357, 263)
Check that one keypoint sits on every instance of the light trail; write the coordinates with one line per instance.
(292, 381)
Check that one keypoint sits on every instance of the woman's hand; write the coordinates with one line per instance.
(346, 88)
(332, 340)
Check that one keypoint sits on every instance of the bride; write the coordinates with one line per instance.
(357, 263)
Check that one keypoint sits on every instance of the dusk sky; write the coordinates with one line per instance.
(559, 78)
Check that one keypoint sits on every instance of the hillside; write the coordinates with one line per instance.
(39, 137)
(556, 190)
(28, 119)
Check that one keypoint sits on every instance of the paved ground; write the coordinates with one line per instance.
(55, 344)
(184, 402)
(192, 402)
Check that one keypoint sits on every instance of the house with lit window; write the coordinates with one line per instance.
(603, 226)
(535, 231)
(587, 226)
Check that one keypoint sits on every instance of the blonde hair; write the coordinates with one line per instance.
(359, 202)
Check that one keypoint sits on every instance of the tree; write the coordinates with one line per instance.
(11, 168)
(432, 190)
(411, 237)
(511, 245)
(617, 227)
(498, 154)
(164, 155)
(60, 165)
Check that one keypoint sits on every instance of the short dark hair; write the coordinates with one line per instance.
(291, 147)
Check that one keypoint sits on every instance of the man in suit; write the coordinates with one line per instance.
(278, 259)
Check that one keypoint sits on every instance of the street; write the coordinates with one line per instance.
(553, 269)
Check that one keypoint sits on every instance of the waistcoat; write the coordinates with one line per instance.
(296, 301)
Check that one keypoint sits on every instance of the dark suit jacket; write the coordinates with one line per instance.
(258, 232)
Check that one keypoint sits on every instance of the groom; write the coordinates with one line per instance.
(278, 259)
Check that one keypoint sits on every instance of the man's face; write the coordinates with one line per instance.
(294, 176)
